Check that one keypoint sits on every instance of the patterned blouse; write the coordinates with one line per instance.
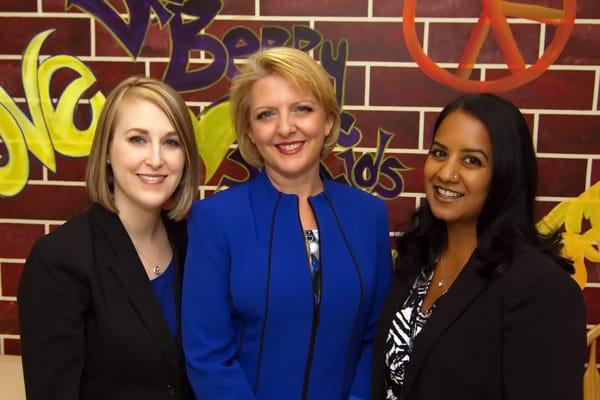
(406, 325)
(311, 237)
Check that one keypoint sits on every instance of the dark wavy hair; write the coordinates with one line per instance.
(506, 219)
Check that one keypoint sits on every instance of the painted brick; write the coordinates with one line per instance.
(595, 171)
(391, 86)
(109, 74)
(219, 28)
(399, 211)
(569, 134)
(35, 167)
(230, 169)
(68, 169)
(542, 208)
(12, 347)
(592, 304)
(413, 178)
(453, 9)
(18, 6)
(327, 8)
(46, 202)
(156, 43)
(369, 41)
(60, 6)
(404, 126)
(237, 7)
(588, 9)
(210, 94)
(553, 90)
(71, 36)
(10, 78)
(583, 47)
(16, 239)
(355, 86)
(447, 43)
(9, 317)
(11, 273)
(593, 271)
(561, 177)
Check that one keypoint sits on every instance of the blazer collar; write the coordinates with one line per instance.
(467, 286)
(127, 266)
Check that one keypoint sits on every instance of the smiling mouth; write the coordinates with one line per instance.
(290, 148)
(152, 179)
(447, 194)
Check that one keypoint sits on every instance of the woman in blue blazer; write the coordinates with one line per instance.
(285, 274)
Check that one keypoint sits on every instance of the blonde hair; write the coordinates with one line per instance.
(291, 64)
(99, 175)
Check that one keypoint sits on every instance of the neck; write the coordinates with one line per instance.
(462, 241)
(140, 224)
(309, 184)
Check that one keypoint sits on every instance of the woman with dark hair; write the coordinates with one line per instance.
(481, 305)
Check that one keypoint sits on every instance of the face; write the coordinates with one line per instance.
(288, 127)
(146, 156)
(458, 170)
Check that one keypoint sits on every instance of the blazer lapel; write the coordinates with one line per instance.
(129, 270)
(467, 286)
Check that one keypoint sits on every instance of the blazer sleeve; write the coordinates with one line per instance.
(53, 298)
(209, 336)
(361, 387)
(544, 339)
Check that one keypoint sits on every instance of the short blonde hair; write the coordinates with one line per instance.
(99, 175)
(291, 64)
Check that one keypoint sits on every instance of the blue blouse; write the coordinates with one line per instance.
(164, 288)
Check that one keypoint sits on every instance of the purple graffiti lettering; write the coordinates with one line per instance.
(336, 65)
(236, 157)
(390, 169)
(349, 134)
(305, 38)
(367, 167)
(272, 36)
(131, 34)
(186, 37)
(240, 42)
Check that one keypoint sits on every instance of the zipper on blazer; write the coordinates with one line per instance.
(316, 307)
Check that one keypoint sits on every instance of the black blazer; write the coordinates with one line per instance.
(516, 336)
(91, 326)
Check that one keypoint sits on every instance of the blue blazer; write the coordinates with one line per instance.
(250, 329)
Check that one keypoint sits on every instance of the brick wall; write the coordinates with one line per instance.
(385, 89)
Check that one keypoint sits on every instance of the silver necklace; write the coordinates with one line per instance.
(157, 271)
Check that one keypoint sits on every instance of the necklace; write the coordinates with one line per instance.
(440, 283)
(157, 271)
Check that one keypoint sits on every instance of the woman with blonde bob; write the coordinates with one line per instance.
(99, 296)
(288, 271)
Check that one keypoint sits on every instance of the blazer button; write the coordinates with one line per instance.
(171, 390)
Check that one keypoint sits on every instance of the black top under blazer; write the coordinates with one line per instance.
(91, 325)
(520, 335)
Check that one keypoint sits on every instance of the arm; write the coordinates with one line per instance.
(544, 342)
(209, 337)
(361, 387)
(52, 301)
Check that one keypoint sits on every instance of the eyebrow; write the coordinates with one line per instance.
(311, 102)
(465, 150)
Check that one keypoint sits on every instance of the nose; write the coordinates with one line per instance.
(286, 125)
(449, 171)
(155, 157)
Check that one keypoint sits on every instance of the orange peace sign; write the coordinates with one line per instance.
(494, 15)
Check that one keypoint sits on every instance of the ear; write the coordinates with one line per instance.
(250, 135)
(328, 124)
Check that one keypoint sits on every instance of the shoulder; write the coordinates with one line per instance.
(534, 274)
(67, 237)
(356, 199)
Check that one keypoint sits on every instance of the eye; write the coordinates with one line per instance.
(472, 161)
(172, 142)
(136, 139)
(304, 109)
(437, 153)
(264, 115)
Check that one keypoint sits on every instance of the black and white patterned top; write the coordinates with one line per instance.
(406, 325)
(311, 237)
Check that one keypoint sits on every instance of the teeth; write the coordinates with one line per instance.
(290, 147)
(152, 178)
(448, 193)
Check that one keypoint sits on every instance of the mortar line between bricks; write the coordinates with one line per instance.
(92, 38)
(421, 130)
(12, 260)
(56, 183)
(8, 298)
(9, 336)
(31, 221)
(367, 100)
(557, 199)
(568, 156)
(592, 285)
(256, 8)
(596, 89)
(536, 128)
(39, 6)
(1, 267)
(588, 173)
(370, 9)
